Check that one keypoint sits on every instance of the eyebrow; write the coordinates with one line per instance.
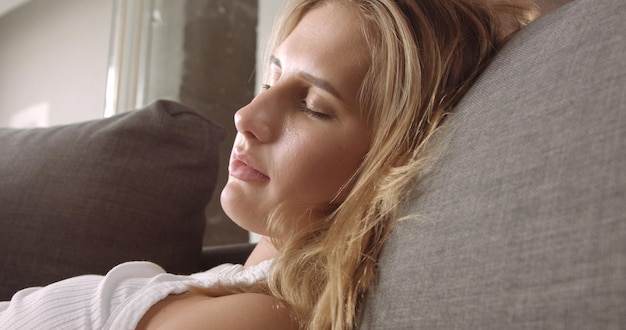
(317, 81)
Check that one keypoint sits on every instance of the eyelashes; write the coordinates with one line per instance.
(315, 114)
(303, 107)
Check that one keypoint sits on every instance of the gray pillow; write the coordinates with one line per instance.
(81, 198)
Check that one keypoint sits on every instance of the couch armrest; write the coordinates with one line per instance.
(230, 253)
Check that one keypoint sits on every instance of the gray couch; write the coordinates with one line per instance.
(520, 224)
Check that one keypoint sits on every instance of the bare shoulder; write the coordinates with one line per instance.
(237, 311)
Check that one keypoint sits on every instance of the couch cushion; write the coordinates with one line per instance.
(522, 224)
(81, 198)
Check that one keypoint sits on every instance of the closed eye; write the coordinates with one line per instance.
(315, 114)
(304, 107)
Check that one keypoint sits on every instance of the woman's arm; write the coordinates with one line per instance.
(237, 311)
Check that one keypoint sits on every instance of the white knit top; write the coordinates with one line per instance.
(117, 300)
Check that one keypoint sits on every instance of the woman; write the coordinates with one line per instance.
(401, 66)
(355, 92)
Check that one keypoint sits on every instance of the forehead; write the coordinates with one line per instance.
(328, 42)
(335, 25)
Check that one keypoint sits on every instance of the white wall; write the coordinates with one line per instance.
(53, 61)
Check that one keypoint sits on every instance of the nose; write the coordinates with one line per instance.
(254, 121)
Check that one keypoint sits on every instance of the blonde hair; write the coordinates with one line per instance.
(425, 54)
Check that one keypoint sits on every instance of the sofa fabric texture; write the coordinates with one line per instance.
(522, 222)
(82, 198)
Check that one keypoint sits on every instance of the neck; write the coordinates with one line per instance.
(264, 250)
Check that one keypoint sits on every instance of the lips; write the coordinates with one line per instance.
(242, 168)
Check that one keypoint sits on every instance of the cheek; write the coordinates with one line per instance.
(344, 163)
(318, 172)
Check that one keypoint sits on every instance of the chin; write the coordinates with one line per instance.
(239, 212)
